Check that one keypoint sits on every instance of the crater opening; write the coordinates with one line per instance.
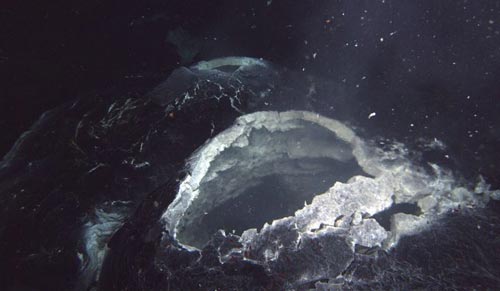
(228, 68)
(257, 171)
(384, 217)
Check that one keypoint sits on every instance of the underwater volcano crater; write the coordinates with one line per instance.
(265, 167)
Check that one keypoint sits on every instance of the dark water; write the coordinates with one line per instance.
(428, 69)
